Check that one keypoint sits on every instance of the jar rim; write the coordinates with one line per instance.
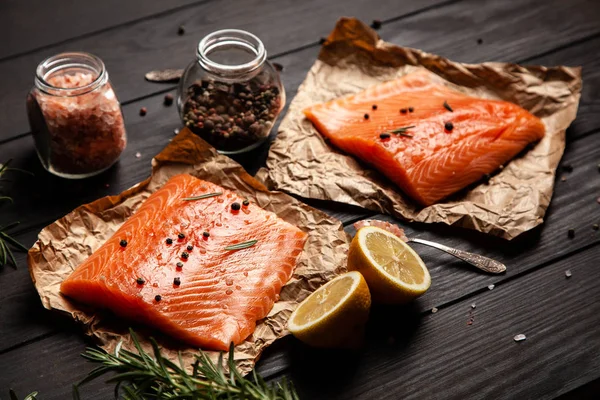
(61, 61)
(231, 37)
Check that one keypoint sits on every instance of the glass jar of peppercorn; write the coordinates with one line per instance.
(231, 95)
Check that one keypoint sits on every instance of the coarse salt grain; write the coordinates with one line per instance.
(568, 273)
(473, 305)
(138, 155)
(490, 287)
(520, 337)
(434, 310)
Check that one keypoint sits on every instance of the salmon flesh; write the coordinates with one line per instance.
(168, 265)
(428, 139)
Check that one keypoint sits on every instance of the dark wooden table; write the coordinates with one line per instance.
(411, 352)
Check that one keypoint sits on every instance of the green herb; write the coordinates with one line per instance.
(203, 196)
(243, 245)
(30, 396)
(447, 106)
(6, 241)
(401, 131)
(142, 376)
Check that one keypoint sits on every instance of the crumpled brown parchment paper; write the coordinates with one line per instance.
(66, 243)
(354, 58)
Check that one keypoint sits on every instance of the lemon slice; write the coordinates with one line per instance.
(394, 272)
(335, 314)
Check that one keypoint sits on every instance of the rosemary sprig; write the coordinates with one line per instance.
(447, 106)
(142, 376)
(243, 245)
(6, 241)
(30, 396)
(401, 131)
(203, 196)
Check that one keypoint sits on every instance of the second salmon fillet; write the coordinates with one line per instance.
(430, 140)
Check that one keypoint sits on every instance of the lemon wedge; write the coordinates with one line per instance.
(335, 314)
(394, 272)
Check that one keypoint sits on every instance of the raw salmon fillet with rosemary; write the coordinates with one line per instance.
(428, 139)
(171, 265)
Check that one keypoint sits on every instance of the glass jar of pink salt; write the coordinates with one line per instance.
(75, 116)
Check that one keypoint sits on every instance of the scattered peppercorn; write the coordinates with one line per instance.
(190, 247)
(143, 111)
(181, 236)
(205, 234)
(179, 264)
(384, 135)
(322, 40)
(185, 255)
(374, 106)
(235, 206)
(123, 243)
(158, 297)
(571, 233)
(479, 41)
(245, 203)
(177, 281)
(278, 67)
(140, 281)
(366, 116)
(376, 24)
(595, 227)
(567, 168)
(403, 110)
(168, 99)
(411, 109)
(449, 126)
(486, 178)
(181, 30)
(169, 241)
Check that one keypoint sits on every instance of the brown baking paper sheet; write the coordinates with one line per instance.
(66, 243)
(352, 59)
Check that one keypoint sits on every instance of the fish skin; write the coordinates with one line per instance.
(221, 294)
(435, 162)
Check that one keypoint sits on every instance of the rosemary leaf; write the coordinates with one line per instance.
(401, 131)
(203, 196)
(447, 106)
(13, 241)
(143, 375)
(243, 245)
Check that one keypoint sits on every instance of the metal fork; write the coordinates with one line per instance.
(483, 263)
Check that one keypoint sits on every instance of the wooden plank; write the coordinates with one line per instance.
(27, 25)
(411, 354)
(131, 50)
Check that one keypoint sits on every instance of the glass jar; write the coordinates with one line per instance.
(231, 95)
(75, 116)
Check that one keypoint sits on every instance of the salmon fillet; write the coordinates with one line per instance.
(445, 151)
(215, 296)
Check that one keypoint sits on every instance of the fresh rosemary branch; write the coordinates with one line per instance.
(6, 241)
(30, 396)
(143, 376)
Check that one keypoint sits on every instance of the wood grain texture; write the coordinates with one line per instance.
(411, 354)
(130, 51)
(60, 20)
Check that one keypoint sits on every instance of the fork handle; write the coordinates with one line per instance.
(483, 263)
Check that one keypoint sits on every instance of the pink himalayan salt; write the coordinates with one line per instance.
(87, 132)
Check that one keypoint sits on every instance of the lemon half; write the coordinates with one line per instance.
(394, 272)
(335, 314)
